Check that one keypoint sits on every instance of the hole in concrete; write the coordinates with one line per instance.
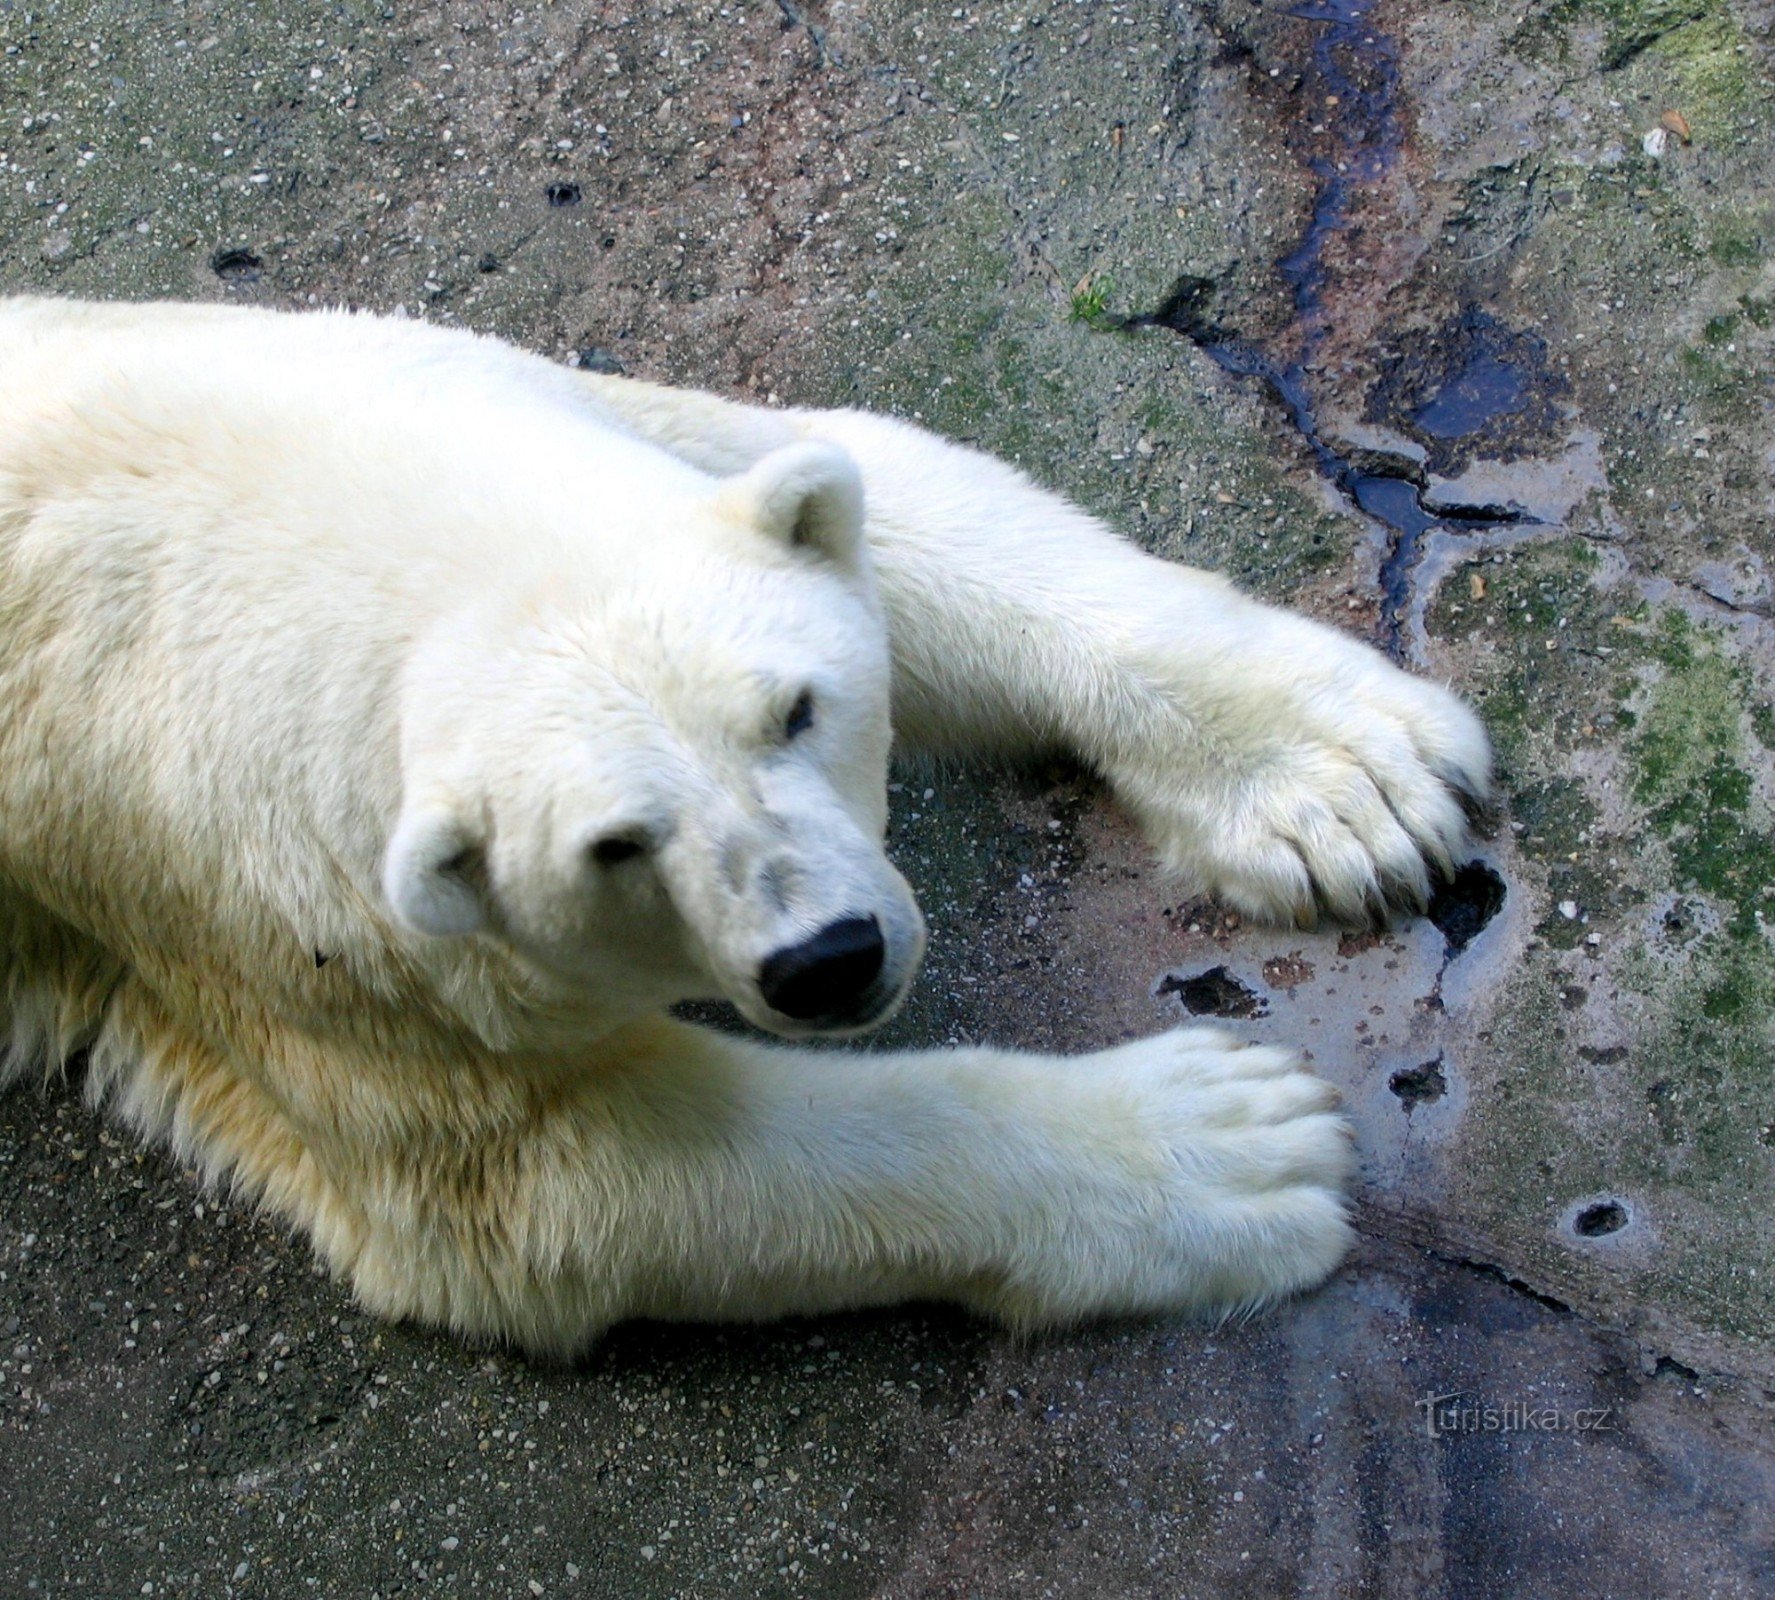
(1416, 1086)
(1466, 903)
(1598, 1221)
(1682, 922)
(236, 266)
(563, 194)
(1216, 993)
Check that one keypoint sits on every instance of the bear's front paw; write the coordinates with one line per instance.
(1211, 1179)
(1315, 779)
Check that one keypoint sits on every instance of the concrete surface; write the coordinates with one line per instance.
(1525, 314)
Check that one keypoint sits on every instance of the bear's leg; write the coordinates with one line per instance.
(685, 1174)
(54, 985)
(1272, 759)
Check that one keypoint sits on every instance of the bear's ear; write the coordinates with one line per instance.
(430, 870)
(807, 495)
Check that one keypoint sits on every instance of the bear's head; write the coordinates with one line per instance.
(655, 765)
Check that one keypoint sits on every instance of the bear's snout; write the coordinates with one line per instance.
(828, 978)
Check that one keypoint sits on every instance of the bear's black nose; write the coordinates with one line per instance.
(826, 977)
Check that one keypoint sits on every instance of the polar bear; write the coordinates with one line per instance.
(394, 724)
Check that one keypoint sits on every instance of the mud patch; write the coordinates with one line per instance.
(1216, 993)
(1288, 972)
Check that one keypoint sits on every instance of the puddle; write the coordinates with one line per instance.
(1420, 1085)
(1356, 72)
(1472, 388)
(1486, 388)
(1462, 907)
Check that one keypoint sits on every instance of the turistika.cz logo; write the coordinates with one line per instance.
(1460, 1413)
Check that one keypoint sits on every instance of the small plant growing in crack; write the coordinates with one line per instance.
(1090, 304)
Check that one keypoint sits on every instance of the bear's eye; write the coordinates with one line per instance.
(616, 849)
(801, 715)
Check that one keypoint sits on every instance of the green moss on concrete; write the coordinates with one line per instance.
(1706, 1068)
(1739, 239)
(1668, 1116)
(1711, 58)
(1670, 1113)
(1695, 775)
(1543, 688)
(1133, 424)
(1697, 45)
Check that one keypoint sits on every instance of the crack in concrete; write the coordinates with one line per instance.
(1392, 1226)
(1757, 610)
(1494, 1273)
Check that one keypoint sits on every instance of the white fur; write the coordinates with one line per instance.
(392, 724)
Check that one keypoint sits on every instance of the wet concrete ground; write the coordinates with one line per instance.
(1502, 278)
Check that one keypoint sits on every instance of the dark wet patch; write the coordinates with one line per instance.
(1416, 1086)
(1598, 1221)
(1472, 389)
(237, 266)
(1463, 905)
(1351, 143)
(1187, 309)
(1216, 993)
(597, 359)
(1399, 505)
(1488, 387)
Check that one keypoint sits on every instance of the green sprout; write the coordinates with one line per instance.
(1090, 304)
